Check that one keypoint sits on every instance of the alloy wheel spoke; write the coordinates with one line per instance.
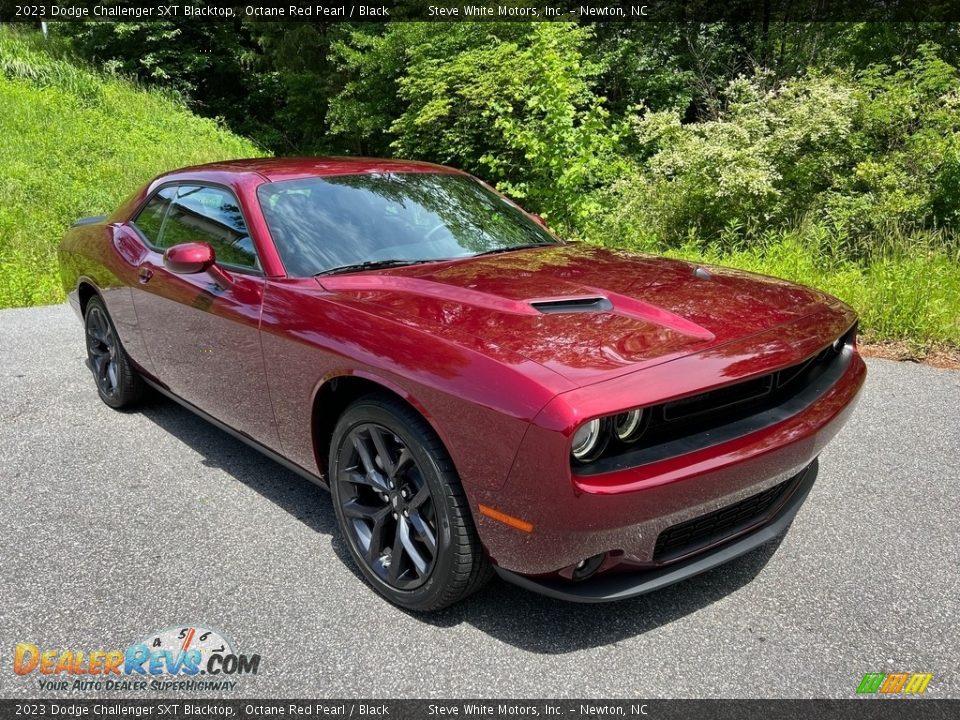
(420, 497)
(375, 548)
(376, 436)
(99, 360)
(97, 336)
(424, 531)
(95, 346)
(400, 466)
(102, 327)
(105, 372)
(396, 556)
(112, 373)
(100, 334)
(413, 552)
(357, 509)
(375, 480)
(364, 454)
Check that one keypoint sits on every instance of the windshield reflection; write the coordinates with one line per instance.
(322, 223)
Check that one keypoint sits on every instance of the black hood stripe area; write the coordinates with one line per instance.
(573, 305)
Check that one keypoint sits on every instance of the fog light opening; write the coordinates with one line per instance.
(585, 568)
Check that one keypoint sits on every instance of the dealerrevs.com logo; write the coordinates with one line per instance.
(187, 657)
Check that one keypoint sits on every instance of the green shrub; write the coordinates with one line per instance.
(859, 154)
(74, 142)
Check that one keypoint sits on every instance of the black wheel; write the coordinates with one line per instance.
(401, 507)
(117, 382)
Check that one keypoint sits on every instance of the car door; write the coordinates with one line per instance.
(202, 335)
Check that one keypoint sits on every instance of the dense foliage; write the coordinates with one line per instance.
(859, 152)
(826, 152)
(76, 143)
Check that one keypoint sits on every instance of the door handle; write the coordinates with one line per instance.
(145, 274)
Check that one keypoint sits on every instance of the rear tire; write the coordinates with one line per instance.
(118, 384)
(401, 507)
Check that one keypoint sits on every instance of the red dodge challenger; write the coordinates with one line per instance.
(478, 395)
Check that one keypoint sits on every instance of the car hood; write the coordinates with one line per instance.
(586, 313)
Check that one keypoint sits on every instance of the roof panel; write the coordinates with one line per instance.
(275, 169)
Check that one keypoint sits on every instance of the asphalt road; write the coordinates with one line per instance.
(119, 524)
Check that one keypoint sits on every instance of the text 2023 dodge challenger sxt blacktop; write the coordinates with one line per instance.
(477, 394)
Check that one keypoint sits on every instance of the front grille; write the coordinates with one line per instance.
(700, 532)
(717, 399)
(762, 391)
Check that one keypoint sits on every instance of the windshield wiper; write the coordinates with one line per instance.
(369, 265)
(496, 251)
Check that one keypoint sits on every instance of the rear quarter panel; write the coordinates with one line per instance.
(106, 255)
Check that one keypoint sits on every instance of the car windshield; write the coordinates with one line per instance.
(329, 224)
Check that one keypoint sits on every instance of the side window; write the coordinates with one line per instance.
(150, 219)
(209, 214)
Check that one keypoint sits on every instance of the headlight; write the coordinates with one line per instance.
(589, 441)
(628, 426)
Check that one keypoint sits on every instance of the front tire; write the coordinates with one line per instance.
(401, 507)
(118, 384)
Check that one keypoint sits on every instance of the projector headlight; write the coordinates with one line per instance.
(628, 426)
(589, 441)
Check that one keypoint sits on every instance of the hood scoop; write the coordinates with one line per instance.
(622, 305)
(572, 305)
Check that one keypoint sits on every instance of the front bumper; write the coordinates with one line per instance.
(612, 586)
(622, 513)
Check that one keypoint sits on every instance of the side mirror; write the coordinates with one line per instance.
(196, 257)
(189, 258)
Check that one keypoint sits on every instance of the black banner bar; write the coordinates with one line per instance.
(765, 11)
(853, 709)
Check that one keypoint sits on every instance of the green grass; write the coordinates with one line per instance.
(76, 142)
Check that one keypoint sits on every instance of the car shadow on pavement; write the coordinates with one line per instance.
(545, 625)
(306, 501)
(508, 613)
